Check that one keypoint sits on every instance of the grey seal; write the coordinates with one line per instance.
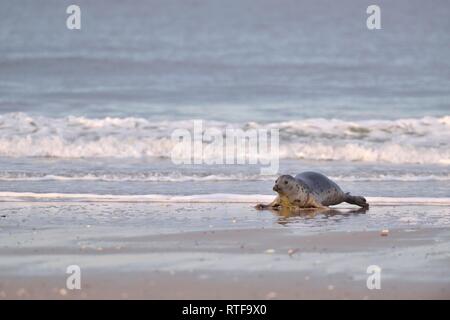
(309, 190)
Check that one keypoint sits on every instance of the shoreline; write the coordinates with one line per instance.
(220, 198)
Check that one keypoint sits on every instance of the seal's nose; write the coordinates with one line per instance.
(275, 188)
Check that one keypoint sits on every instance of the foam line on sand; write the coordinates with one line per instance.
(203, 198)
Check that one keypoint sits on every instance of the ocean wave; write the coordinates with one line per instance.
(423, 141)
(205, 198)
(180, 177)
(133, 177)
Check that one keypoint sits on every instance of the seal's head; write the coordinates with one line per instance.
(285, 184)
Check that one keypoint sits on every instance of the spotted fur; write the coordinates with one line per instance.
(310, 190)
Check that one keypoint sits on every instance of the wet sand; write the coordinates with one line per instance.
(245, 255)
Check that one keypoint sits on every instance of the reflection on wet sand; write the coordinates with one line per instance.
(287, 216)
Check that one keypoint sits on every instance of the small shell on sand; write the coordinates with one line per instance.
(384, 232)
(21, 292)
(271, 295)
(270, 251)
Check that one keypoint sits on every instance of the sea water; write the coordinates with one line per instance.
(91, 111)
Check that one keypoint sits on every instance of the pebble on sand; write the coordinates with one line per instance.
(384, 232)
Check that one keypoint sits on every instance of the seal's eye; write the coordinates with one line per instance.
(285, 182)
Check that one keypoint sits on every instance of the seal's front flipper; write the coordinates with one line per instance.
(273, 205)
(261, 206)
(358, 200)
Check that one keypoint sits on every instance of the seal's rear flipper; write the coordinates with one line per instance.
(358, 200)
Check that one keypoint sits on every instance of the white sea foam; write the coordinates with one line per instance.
(424, 141)
(201, 198)
(136, 177)
(179, 177)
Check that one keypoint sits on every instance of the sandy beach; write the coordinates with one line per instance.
(137, 137)
(231, 251)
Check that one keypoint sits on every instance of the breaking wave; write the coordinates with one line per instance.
(423, 141)
(180, 177)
